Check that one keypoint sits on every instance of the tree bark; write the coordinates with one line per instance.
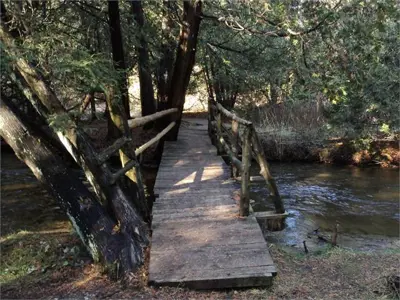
(115, 249)
(118, 51)
(185, 59)
(127, 153)
(77, 144)
(167, 58)
(146, 83)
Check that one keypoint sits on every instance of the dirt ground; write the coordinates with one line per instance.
(41, 257)
(47, 261)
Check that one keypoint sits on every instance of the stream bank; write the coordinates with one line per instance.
(383, 153)
(363, 201)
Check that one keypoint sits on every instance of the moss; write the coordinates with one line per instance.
(28, 256)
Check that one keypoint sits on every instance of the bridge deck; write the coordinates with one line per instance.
(198, 240)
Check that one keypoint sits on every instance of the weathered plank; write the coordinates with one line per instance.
(198, 239)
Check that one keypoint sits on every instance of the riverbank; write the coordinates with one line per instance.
(55, 266)
(43, 258)
(383, 153)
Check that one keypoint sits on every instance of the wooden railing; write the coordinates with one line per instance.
(241, 135)
(118, 144)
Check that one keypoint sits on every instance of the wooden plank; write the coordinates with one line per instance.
(198, 239)
(217, 210)
(165, 241)
(205, 232)
(180, 190)
(219, 213)
(263, 215)
(212, 184)
(192, 200)
(186, 191)
(218, 280)
(137, 122)
(180, 261)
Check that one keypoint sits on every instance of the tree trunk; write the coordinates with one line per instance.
(118, 51)
(185, 59)
(77, 144)
(116, 250)
(127, 153)
(167, 58)
(146, 83)
(275, 92)
(89, 99)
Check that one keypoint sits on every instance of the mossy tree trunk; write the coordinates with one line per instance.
(146, 82)
(184, 62)
(124, 206)
(97, 230)
(166, 62)
(118, 51)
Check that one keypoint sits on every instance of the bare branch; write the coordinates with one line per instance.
(274, 33)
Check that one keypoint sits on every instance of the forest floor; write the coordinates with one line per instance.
(42, 257)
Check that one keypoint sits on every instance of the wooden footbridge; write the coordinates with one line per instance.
(203, 236)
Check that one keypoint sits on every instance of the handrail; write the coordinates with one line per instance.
(155, 139)
(251, 147)
(118, 144)
(140, 150)
(231, 115)
(137, 122)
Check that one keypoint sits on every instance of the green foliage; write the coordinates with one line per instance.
(341, 56)
(349, 64)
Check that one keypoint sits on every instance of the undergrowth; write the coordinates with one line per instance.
(300, 132)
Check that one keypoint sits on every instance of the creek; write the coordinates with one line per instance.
(365, 202)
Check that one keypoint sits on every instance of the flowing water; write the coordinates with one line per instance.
(365, 202)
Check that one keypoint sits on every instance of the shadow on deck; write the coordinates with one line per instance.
(198, 239)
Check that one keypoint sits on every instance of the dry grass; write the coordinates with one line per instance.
(335, 274)
(299, 132)
(332, 274)
(42, 258)
(290, 132)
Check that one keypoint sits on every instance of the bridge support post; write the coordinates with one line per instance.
(262, 161)
(235, 146)
(220, 150)
(246, 162)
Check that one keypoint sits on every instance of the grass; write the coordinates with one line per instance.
(299, 132)
(290, 131)
(54, 265)
(42, 258)
(26, 253)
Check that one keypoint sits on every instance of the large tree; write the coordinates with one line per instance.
(184, 60)
(119, 251)
(146, 82)
(114, 192)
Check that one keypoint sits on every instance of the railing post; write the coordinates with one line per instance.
(262, 161)
(235, 145)
(210, 118)
(246, 162)
(219, 133)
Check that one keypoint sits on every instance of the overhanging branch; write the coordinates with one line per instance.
(271, 33)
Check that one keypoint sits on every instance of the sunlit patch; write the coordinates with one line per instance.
(19, 186)
(324, 175)
(187, 179)
(177, 191)
(87, 279)
(181, 163)
(26, 233)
